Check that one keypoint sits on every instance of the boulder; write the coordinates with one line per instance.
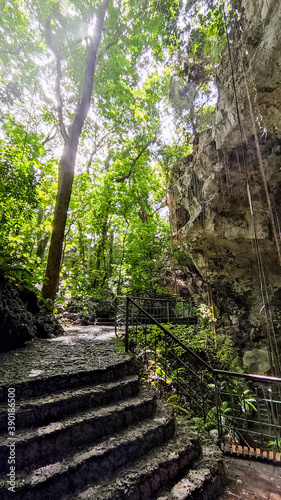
(256, 361)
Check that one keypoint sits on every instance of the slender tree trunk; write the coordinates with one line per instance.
(66, 175)
(110, 257)
(100, 254)
(81, 243)
(67, 163)
(121, 262)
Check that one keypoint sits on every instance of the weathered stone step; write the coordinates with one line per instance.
(203, 482)
(105, 321)
(41, 386)
(92, 465)
(150, 474)
(54, 441)
(47, 409)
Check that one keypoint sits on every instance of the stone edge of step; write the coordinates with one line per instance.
(203, 481)
(152, 472)
(46, 409)
(29, 389)
(57, 438)
(136, 441)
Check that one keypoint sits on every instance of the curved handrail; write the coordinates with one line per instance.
(167, 299)
(214, 371)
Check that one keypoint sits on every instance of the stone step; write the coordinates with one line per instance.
(56, 440)
(146, 476)
(105, 321)
(38, 386)
(47, 409)
(203, 482)
(92, 465)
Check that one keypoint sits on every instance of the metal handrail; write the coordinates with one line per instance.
(203, 389)
(171, 299)
(214, 371)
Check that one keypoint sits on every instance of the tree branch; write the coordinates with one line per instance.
(121, 31)
(13, 52)
(121, 179)
(92, 49)
(49, 137)
(60, 100)
(96, 148)
(48, 37)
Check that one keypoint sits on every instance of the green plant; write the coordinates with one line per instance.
(200, 338)
(175, 400)
(238, 395)
(275, 444)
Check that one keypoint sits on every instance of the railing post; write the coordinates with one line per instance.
(203, 398)
(127, 325)
(271, 411)
(115, 315)
(218, 408)
(259, 413)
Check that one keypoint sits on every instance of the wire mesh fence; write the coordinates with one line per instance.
(244, 409)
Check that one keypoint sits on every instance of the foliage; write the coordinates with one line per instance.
(275, 444)
(23, 196)
(158, 354)
(116, 236)
(201, 338)
(176, 401)
(193, 92)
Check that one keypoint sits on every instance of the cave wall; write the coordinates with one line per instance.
(212, 221)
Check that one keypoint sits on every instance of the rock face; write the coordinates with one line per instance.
(256, 361)
(21, 317)
(87, 311)
(232, 245)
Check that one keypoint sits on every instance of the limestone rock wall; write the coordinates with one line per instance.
(256, 47)
(212, 221)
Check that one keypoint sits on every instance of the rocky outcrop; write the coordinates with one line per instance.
(214, 225)
(87, 311)
(22, 318)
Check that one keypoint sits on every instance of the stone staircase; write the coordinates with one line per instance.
(97, 434)
(109, 321)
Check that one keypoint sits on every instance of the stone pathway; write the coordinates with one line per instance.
(76, 351)
(251, 480)
(67, 354)
(84, 427)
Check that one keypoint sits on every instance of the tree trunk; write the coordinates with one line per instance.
(100, 254)
(67, 163)
(66, 175)
(110, 257)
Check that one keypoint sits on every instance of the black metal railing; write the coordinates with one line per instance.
(168, 310)
(245, 409)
